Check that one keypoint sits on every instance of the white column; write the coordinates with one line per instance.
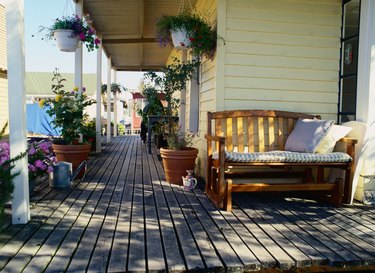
(79, 52)
(182, 110)
(109, 100)
(17, 108)
(99, 98)
(366, 90)
(115, 105)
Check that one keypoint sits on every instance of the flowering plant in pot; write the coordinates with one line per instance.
(72, 29)
(67, 110)
(195, 29)
(6, 176)
(40, 161)
(178, 156)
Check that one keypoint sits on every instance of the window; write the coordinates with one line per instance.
(349, 60)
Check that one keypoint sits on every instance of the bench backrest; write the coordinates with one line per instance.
(253, 130)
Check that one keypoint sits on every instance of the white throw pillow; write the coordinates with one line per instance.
(307, 134)
(335, 133)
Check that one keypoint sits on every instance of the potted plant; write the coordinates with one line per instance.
(187, 30)
(67, 111)
(40, 161)
(69, 31)
(6, 177)
(178, 150)
(179, 156)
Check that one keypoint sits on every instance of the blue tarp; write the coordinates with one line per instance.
(39, 122)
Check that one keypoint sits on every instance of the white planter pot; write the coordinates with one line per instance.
(180, 39)
(66, 40)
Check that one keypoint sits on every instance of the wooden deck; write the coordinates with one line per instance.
(124, 218)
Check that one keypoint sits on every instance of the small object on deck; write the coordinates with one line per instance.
(63, 175)
(189, 181)
(368, 189)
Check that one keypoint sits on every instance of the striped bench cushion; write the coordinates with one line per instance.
(285, 157)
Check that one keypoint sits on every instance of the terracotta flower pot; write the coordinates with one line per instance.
(66, 40)
(74, 154)
(176, 162)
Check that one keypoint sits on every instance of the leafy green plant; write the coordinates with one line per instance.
(199, 32)
(67, 110)
(121, 129)
(178, 140)
(154, 105)
(174, 79)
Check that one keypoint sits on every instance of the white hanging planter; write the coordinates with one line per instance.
(180, 39)
(66, 40)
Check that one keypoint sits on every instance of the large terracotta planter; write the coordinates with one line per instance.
(180, 39)
(74, 154)
(176, 162)
(66, 40)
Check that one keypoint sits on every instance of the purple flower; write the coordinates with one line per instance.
(44, 146)
(97, 41)
(32, 150)
(82, 36)
(49, 169)
(32, 168)
(83, 89)
(40, 164)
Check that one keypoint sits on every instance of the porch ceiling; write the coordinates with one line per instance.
(128, 31)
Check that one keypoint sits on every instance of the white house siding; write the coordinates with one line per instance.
(4, 115)
(282, 55)
(207, 81)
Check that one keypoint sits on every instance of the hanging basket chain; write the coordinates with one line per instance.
(67, 6)
(181, 7)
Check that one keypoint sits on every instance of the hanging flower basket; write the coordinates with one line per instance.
(180, 38)
(66, 40)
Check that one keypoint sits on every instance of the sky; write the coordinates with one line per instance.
(44, 56)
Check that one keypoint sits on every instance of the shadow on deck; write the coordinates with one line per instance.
(124, 218)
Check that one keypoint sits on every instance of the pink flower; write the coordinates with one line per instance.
(97, 41)
(82, 36)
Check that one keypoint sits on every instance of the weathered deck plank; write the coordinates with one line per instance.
(125, 218)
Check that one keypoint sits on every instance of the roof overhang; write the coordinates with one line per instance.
(127, 28)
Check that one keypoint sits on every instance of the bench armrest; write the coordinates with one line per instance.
(214, 138)
(350, 145)
(349, 140)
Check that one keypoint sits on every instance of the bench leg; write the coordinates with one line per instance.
(347, 186)
(337, 194)
(228, 195)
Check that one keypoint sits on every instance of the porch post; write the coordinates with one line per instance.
(182, 110)
(78, 54)
(109, 100)
(99, 98)
(366, 90)
(115, 105)
(17, 108)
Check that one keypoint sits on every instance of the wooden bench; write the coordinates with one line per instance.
(251, 131)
